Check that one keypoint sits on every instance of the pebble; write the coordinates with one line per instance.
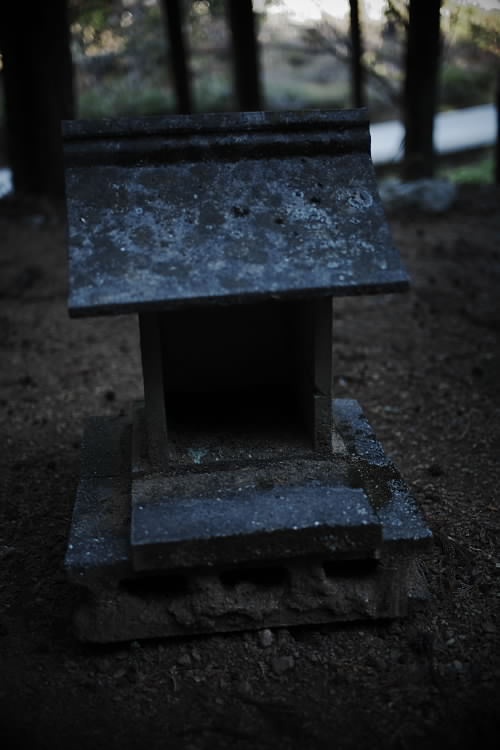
(266, 638)
(435, 469)
(489, 627)
(377, 662)
(184, 660)
(244, 687)
(395, 654)
(132, 674)
(282, 664)
(103, 666)
(284, 637)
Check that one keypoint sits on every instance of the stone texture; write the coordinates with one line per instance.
(284, 522)
(125, 605)
(266, 638)
(358, 433)
(98, 548)
(292, 210)
(308, 596)
(245, 498)
(105, 446)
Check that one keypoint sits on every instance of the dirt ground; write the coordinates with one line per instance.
(426, 367)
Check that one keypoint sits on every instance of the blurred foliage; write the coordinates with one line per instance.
(120, 48)
(470, 52)
(123, 33)
(120, 51)
(465, 86)
(293, 94)
(395, 18)
(213, 93)
(123, 99)
(479, 171)
(473, 27)
(382, 49)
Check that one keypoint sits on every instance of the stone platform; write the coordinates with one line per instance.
(236, 547)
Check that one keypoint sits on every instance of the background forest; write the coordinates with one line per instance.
(120, 52)
(119, 59)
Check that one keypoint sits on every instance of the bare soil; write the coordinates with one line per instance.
(426, 368)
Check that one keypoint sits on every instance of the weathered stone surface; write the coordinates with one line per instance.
(170, 211)
(358, 433)
(245, 497)
(99, 544)
(305, 595)
(104, 451)
(125, 605)
(285, 522)
(403, 521)
(99, 548)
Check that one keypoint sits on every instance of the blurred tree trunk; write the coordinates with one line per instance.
(38, 91)
(421, 87)
(357, 73)
(497, 147)
(173, 15)
(245, 54)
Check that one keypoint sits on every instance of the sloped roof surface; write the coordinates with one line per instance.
(171, 211)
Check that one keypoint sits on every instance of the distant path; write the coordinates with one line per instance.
(459, 130)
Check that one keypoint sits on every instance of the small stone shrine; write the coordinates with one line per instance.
(240, 493)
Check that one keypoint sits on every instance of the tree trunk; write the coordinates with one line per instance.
(38, 91)
(497, 146)
(421, 87)
(245, 54)
(356, 55)
(173, 15)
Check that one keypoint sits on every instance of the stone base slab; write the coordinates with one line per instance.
(362, 582)
(297, 593)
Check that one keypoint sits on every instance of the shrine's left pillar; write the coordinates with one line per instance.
(153, 370)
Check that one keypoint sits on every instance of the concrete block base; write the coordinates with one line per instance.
(296, 593)
(291, 584)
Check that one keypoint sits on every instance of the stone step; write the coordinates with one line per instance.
(284, 522)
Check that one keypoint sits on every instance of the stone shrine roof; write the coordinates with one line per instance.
(180, 210)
